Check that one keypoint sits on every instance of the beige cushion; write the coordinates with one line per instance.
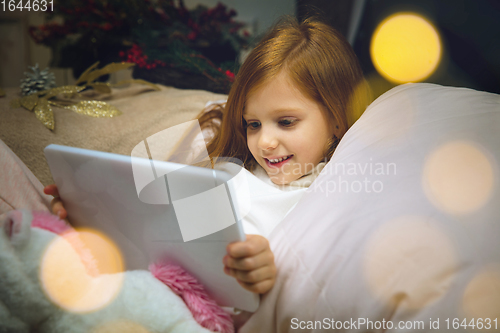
(145, 112)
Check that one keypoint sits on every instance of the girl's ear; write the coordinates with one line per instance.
(336, 130)
(334, 124)
(330, 148)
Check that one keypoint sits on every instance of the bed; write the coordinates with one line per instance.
(400, 230)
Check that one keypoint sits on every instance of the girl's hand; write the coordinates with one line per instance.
(252, 264)
(56, 204)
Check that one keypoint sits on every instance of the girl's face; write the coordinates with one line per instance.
(287, 132)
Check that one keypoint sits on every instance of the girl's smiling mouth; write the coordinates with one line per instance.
(277, 162)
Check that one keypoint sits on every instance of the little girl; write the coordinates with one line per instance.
(293, 99)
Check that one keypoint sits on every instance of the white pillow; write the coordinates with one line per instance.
(403, 224)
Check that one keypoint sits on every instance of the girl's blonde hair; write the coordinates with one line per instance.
(322, 65)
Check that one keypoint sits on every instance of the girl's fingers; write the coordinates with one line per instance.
(248, 282)
(253, 245)
(250, 263)
(258, 288)
(51, 190)
(56, 204)
(58, 208)
(255, 276)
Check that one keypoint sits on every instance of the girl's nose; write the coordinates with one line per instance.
(267, 140)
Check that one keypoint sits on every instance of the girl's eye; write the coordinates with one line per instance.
(253, 125)
(287, 122)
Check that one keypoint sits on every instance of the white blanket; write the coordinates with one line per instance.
(401, 227)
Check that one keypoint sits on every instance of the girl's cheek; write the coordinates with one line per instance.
(251, 147)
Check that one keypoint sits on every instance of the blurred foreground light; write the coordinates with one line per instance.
(405, 260)
(481, 298)
(405, 47)
(122, 326)
(106, 254)
(72, 268)
(458, 177)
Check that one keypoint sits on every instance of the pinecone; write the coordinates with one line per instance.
(37, 80)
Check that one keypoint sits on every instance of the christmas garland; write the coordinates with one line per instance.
(151, 34)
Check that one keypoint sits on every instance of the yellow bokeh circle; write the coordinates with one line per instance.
(405, 47)
(81, 271)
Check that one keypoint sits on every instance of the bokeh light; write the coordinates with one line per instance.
(405, 47)
(405, 261)
(359, 100)
(104, 251)
(458, 177)
(389, 120)
(80, 271)
(122, 326)
(481, 298)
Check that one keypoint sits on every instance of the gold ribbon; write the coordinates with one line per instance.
(40, 102)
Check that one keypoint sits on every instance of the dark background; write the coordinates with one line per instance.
(469, 30)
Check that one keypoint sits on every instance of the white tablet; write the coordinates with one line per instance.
(156, 211)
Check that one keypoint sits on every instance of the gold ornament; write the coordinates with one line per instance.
(97, 109)
(44, 113)
(29, 102)
(92, 75)
(63, 90)
(40, 102)
(103, 88)
(86, 72)
(139, 81)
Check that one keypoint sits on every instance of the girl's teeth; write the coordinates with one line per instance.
(276, 160)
